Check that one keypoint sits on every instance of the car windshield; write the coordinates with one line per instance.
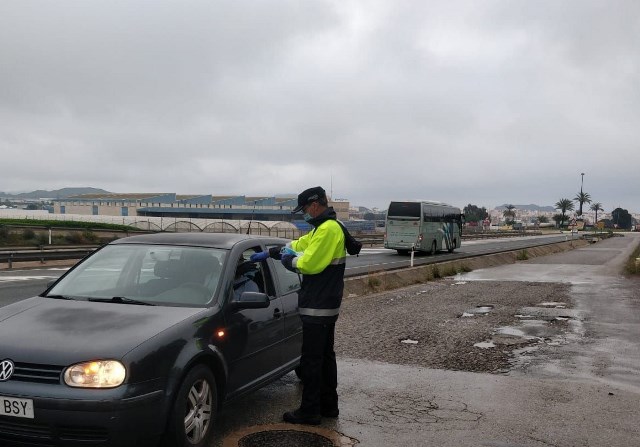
(158, 274)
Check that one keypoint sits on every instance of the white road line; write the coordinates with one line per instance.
(25, 278)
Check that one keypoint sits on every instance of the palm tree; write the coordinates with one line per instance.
(509, 212)
(597, 206)
(564, 205)
(582, 198)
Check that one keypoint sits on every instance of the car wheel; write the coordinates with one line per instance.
(434, 248)
(192, 416)
(453, 246)
(298, 371)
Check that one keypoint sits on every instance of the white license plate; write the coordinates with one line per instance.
(20, 408)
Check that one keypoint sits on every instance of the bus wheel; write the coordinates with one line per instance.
(403, 252)
(434, 248)
(453, 246)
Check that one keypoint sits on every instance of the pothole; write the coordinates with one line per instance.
(284, 438)
(287, 435)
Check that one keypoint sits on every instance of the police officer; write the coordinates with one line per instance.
(321, 261)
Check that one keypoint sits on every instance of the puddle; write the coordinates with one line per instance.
(485, 345)
(482, 309)
(511, 331)
(408, 341)
(556, 304)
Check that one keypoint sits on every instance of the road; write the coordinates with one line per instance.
(22, 283)
(382, 259)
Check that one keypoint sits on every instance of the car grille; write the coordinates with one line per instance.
(31, 372)
(28, 433)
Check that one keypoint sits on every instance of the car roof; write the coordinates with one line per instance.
(215, 240)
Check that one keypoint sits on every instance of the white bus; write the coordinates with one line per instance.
(422, 226)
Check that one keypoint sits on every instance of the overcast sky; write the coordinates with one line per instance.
(482, 102)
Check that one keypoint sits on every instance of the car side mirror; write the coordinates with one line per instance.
(251, 300)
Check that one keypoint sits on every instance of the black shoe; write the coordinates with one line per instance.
(298, 417)
(330, 412)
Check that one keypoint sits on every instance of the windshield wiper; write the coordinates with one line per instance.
(60, 297)
(120, 300)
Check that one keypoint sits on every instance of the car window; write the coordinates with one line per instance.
(175, 275)
(251, 276)
(288, 281)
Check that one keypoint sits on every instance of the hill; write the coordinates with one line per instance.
(55, 194)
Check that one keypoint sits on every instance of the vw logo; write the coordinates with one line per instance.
(6, 370)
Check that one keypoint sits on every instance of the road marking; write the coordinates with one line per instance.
(25, 278)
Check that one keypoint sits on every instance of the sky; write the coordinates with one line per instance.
(465, 102)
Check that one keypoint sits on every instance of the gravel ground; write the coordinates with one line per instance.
(372, 327)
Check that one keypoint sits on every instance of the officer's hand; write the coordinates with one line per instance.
(274, 252)
(258, 257)
(287, 261)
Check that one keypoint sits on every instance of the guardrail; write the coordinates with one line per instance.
(42, 255)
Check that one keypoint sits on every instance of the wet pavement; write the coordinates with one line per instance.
(574, 381)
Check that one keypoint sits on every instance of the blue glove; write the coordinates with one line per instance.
(287, 261)
(258, 257)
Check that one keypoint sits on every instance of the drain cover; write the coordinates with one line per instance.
(284, 438)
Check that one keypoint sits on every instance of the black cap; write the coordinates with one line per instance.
(308, 196)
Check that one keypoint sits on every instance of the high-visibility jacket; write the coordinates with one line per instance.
(322, 265)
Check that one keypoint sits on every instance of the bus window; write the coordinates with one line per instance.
(404, 209)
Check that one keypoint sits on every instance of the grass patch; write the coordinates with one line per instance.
(435, 272)
(71, 224)
(633, 263)
(451, 270)
(522, 255)
(373, 282)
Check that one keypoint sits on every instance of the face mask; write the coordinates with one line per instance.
(307, 217)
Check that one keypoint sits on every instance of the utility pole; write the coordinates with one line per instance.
(581, 183)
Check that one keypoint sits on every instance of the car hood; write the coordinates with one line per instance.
(60, 332)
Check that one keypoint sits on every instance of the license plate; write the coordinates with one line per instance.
(20, 408)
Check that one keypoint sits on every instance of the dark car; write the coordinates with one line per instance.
(144, 340)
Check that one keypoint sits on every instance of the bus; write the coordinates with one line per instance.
(422, 226)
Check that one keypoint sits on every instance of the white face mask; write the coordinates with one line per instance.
(307, 217)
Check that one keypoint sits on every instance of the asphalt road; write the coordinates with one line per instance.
(384, 259)
(23, 283)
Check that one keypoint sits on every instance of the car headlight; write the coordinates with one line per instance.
(97, 374)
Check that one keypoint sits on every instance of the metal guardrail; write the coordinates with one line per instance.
(42, 255)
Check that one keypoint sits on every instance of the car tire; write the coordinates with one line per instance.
(298, 371)
(434, 248)
(453, 246)
(192, 417)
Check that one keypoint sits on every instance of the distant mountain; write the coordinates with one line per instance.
(55, 194)
(532, 207)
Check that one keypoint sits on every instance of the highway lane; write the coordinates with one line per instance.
(376, 259)
(16, 285)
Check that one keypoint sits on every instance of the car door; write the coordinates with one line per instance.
(288, 287)
(254, 335)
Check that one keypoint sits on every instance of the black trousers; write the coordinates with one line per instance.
(319, 370)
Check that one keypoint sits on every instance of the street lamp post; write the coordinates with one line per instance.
(581, 183)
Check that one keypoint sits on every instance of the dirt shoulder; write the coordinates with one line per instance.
(437, 315)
